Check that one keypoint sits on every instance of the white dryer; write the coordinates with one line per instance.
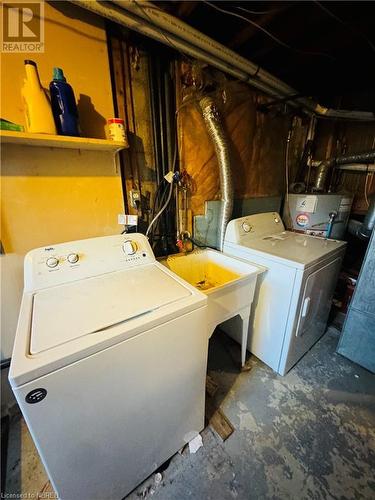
(293, 297)
(109, 363)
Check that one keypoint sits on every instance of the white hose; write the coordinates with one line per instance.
(161, 210)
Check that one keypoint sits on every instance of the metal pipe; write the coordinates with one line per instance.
(321, 175)
(367, 156)
(151, 21)
(363, 230)
(255, 74)
(326, 165)
(369, 220)
(219, 138)
(353, 167)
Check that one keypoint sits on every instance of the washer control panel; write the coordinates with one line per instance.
(130, 247)
(57, 264)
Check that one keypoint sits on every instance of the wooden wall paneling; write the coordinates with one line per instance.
(258, 144)
(352, 137)
(131, 73)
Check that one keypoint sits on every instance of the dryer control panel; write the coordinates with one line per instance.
(65, 262)
(253, 227)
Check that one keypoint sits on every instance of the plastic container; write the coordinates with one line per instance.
(38, 112)
(116, 129)
(64, 105)
(7, 125)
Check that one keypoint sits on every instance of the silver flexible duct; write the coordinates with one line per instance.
(219, 138)
(321, 175)
(365, 157)
(325, 166)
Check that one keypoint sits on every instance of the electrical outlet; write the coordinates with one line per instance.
(127, 220)
(135, 198)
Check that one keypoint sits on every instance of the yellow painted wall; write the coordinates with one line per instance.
(54, 195)
(75, 40)
(51, 195)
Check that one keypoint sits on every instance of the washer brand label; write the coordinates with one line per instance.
(302, 220)
(35, 396)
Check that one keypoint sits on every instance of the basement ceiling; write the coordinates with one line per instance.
(325, 50)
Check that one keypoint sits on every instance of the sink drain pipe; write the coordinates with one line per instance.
(214, 125)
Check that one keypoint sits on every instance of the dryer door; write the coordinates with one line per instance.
(315, 304)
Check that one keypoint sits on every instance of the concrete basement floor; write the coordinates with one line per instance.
(308, 435)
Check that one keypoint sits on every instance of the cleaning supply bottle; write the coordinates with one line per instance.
(64, 106)
(39, 118)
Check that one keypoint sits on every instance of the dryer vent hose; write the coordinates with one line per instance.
(219, 138)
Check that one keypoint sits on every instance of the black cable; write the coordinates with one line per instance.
(5, 363)
(160, 204)
(268, 33)
(259, 12)
(346, 24)
(199, 245)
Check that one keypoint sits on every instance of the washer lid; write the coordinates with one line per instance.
(300, 249)
(66, 312)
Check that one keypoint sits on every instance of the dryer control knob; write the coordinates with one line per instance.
(52, 262)
(129, 247)
(246, 227)
(73, 258)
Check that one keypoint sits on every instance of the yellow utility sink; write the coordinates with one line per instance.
(229, 284)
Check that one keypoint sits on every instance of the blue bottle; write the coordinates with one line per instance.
(64, 107)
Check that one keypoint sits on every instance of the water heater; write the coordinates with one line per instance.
(310, 213)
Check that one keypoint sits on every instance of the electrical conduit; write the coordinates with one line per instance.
(151, 21)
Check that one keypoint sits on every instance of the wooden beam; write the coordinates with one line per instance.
(185, 9)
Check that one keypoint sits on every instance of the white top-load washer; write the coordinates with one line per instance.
(109, 363)
(293, 297)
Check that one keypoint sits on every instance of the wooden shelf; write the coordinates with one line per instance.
(60, 141)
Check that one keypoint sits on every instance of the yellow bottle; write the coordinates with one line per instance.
(38, 112)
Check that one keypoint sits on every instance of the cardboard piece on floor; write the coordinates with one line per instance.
(221, 425)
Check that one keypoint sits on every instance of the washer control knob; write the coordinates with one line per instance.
(246, 227)
(73, 258)
(129, 247)
(52, 262)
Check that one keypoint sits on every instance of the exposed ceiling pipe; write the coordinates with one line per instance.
(357, 167)
(151, 21)
(367, 156)
(121, 16)
(350, 167)
(220, 141)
